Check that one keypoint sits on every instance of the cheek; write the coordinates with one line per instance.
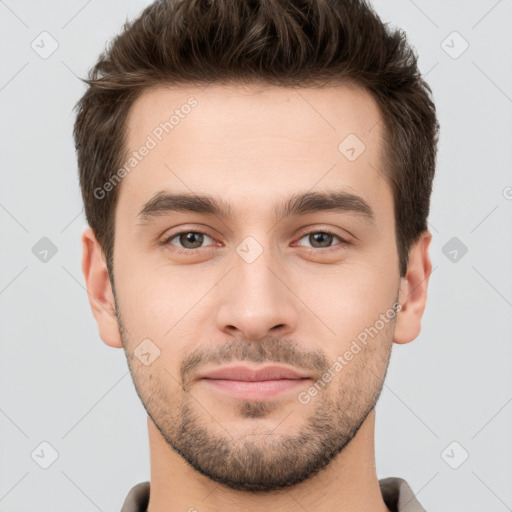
(349, 297)
(157, 301)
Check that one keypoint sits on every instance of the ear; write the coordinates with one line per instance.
(99, 290)
(413, 291)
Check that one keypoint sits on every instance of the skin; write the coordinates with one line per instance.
(300, 303)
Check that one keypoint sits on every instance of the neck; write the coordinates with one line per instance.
(349, 483)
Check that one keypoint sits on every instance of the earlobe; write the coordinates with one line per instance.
(413, 291)
(99, 289)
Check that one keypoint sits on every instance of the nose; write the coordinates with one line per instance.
(256, 299)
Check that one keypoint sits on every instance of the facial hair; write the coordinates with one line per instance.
(263, 460)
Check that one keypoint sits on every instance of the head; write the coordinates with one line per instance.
(257, 180)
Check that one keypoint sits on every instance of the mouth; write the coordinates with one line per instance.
(246, 383)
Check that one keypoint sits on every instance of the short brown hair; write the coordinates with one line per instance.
(297, 43)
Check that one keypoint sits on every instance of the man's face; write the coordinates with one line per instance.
(262, 286)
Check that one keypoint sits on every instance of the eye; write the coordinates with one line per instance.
(186, 242)
(322, 239)
(189, 240)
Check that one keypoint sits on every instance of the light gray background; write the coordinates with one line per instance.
(59, 383)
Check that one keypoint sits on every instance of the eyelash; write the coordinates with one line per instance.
(181, 250)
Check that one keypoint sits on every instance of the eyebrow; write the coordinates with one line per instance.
(164, 203)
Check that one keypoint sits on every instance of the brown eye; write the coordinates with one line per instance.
(322, 239)
(188, 240)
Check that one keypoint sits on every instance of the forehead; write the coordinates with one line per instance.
(248, 143)
(226, 113)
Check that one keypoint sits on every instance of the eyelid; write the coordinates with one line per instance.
(192, 228)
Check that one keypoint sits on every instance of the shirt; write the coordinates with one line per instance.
(396, 493)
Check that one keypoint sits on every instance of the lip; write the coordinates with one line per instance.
(244, 373)
(254, 384)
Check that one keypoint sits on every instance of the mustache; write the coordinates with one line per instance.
(268, 350)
